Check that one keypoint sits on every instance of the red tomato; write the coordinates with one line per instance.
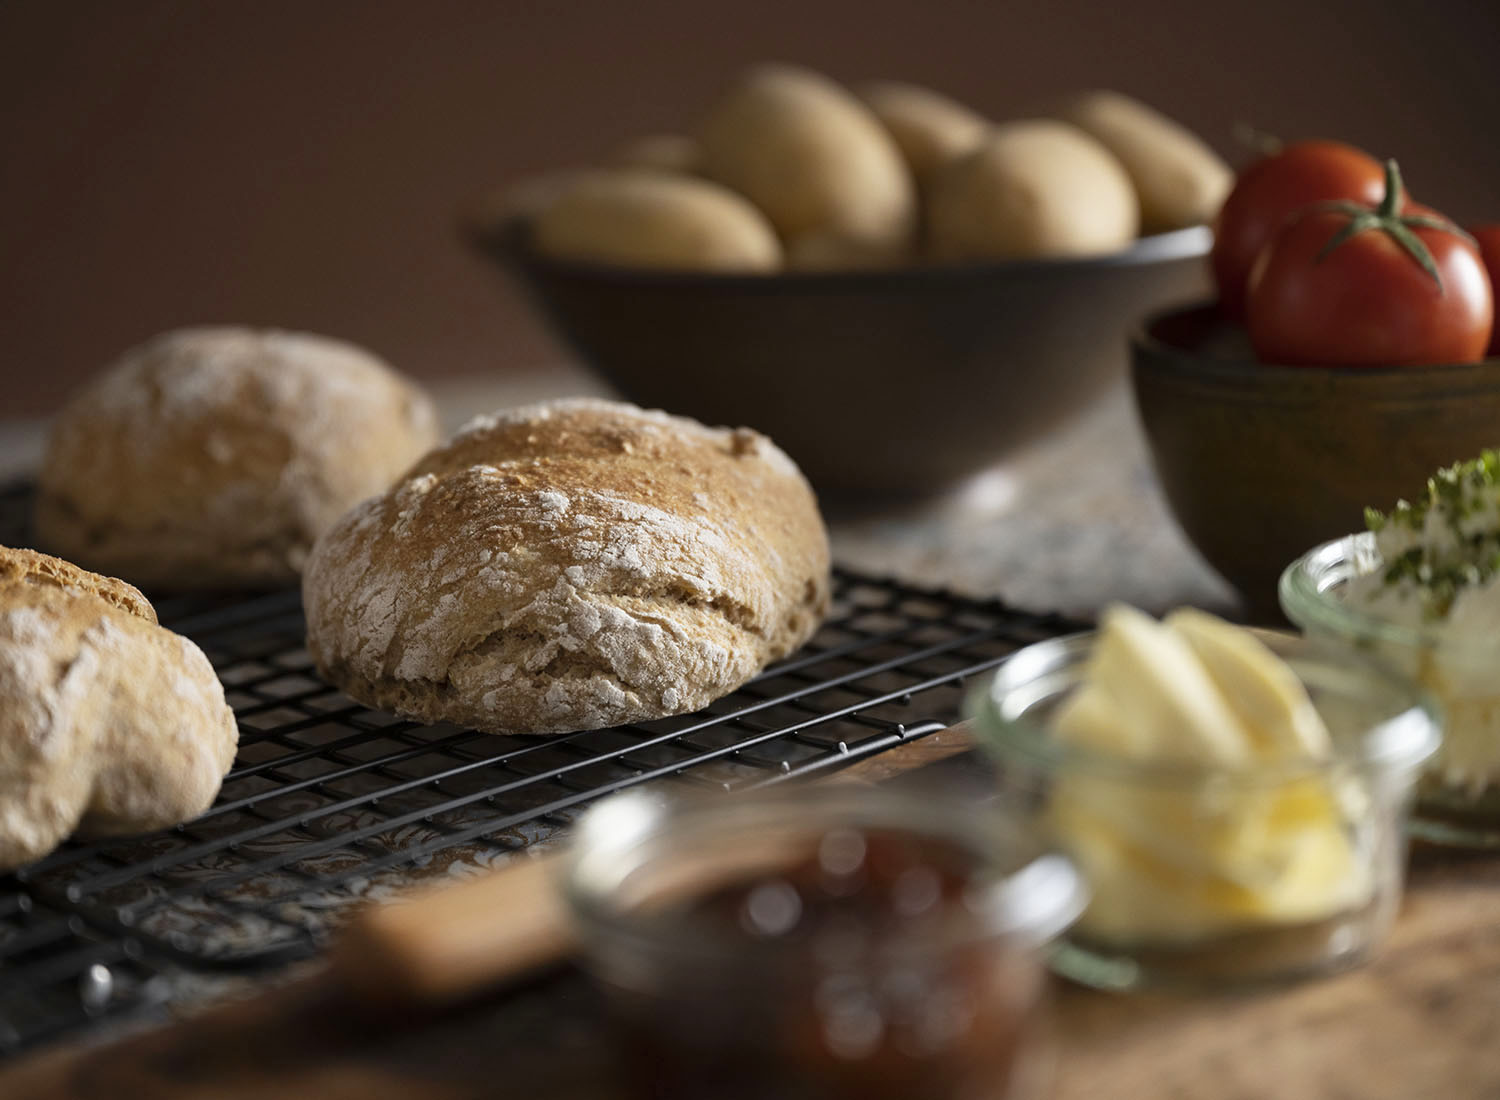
(1345, 284)
(1488, 238)
(1271, 190)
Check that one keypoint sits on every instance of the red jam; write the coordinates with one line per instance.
(860, 970)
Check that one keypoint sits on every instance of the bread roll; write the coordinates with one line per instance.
(27, 567)
(570, 566)
(213, 457)
(109, 723)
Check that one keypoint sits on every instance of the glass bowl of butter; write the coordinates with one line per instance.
(1235, 799)
(1420, 590)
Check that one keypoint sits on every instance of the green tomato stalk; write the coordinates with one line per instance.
(1387, 218)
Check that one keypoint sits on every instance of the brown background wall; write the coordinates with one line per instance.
(299, 162)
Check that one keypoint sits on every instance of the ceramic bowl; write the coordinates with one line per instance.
(1260, 462)
(876, 382)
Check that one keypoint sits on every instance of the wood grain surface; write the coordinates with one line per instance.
(1422, 1020)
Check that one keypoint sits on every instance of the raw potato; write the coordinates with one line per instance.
(648, 219)
(832, 252)
(526, 199)
(661, 153)
(1032, 189)
(1179, 179)
(930, 129)
(810, 155)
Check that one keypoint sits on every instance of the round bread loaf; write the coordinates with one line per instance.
(214, 457)
(109, 723)
(570, 566)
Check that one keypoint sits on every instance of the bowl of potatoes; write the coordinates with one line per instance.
(894, 287)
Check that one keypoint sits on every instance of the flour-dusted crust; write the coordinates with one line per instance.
(109, 723)
(570, 566)
(27, 567)
(214, 457)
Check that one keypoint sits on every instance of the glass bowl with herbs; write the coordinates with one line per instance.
(1421, 589)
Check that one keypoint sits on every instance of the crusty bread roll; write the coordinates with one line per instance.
(27, 567)
(570, 566)
(109, 723)
(213, 457)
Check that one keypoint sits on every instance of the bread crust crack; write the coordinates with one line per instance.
(538, 575)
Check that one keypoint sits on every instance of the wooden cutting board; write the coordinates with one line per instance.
(1422, 1020)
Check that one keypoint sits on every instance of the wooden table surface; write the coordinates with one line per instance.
(1422, 1020)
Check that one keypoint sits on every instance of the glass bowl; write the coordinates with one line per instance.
(817, 942)
(1458, 798)
(1207, 876)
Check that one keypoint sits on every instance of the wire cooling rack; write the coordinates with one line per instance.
(330, 802)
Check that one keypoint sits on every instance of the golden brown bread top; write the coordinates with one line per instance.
(28, 567)
(570, 565)
(589, 445)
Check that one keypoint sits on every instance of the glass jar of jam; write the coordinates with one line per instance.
(818, 942)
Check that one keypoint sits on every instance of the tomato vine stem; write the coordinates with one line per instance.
(1387, 218)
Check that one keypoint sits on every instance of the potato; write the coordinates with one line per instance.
(655, 220)
(929, 128)
(661, 153)
(1032, 188)
(1179, 179)
(525, 199)
(832, 252)
(810, 155)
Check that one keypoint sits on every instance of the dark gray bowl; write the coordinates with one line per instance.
(876, 382)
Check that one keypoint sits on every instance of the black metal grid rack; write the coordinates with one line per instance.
(330, 801)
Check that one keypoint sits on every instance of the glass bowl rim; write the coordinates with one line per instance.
(1306, 604)
(1030, 903)
(1403, 740)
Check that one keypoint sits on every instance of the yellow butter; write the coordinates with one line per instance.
(1199, 853)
